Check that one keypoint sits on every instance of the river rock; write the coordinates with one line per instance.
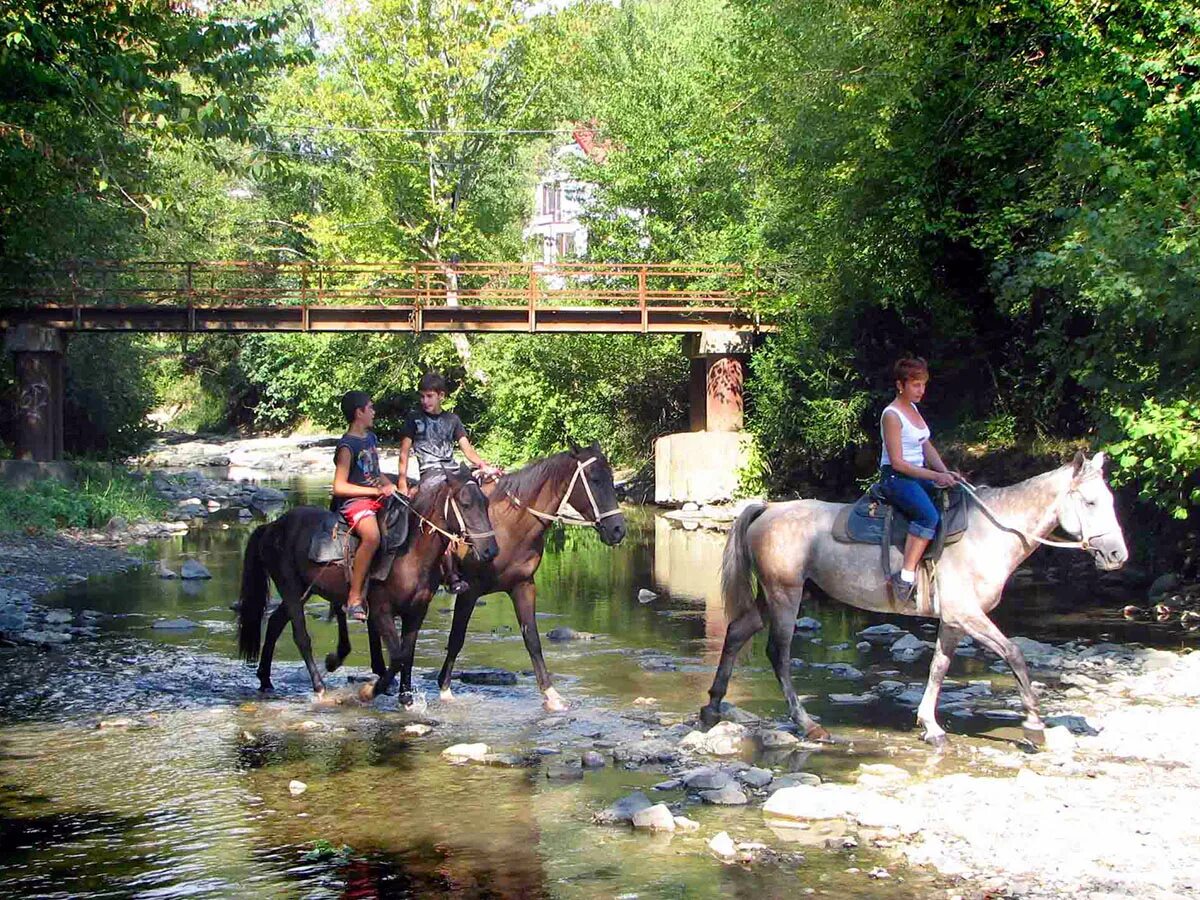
(853, 699)
(563, 633)
(809, 802)
(593, 760)
(910, 648)
(297, 787)
(193, 569)
(645, 596)
(755, 777)
(503, 760)
(59, 616)
(463, 752)
(623, 810)
(723, 739)
(174, 625)
(706, 779)
(487, 677)
(1059, 739)
(839, 670)
(419, 729)
(777, 740)
(1163, 584)
(808, 623)
(44, 638)
(863, 646)
(794, 779)
(731, 713)
(654, 818)
(165, 572)
(726, 796)
(683, 823)
(879, 775)
(1038, 654)
(116, 524)
(722, 845)
(1074, 724)
(882, 635)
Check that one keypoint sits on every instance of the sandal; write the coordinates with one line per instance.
(356, 611)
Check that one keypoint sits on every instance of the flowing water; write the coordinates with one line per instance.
(191, 796)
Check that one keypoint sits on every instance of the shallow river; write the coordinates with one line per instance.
(192, 798)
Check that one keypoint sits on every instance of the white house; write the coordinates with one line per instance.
(559, 200)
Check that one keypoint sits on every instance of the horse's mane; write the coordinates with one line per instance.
(429, 501)
(534, 475)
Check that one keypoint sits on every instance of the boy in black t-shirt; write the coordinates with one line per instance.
(431, 435)
(360, 487)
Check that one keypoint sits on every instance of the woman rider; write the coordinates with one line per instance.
(910, 469)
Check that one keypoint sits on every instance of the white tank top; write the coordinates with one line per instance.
(912, 439)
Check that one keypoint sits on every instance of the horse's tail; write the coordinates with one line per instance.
(737, 564)
(253, 600)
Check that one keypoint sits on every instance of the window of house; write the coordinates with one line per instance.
(552, 200)
(564, 245)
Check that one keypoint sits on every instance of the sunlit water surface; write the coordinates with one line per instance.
(192, 799)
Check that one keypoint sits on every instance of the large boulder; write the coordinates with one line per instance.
(654, 818)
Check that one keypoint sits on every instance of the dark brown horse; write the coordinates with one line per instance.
(454, 509)
(522, 507)
(573, 487)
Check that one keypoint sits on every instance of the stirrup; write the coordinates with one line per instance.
(903, 591)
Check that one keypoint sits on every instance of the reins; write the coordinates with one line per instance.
(560, 515)
(1084, 544)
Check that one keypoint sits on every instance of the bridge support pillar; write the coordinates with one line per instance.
(702, 466)
(717, 380)
(38, 361)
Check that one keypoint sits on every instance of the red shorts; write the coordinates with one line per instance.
(357, 510)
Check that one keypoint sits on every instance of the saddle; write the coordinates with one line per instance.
(872, 517)
(333, 541)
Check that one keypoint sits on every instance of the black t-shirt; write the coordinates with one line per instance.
(364, 460)
(434, 437)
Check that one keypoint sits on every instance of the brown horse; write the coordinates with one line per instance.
(522, 507)
(455, 509)
(786, 544)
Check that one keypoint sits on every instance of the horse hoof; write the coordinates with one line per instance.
(332, 662)
(553, 702)
(938, 742)
(1035, 734)
(446, 695)
(366, 693)
(265, 687)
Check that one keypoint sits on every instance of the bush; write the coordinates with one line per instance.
(47, 505)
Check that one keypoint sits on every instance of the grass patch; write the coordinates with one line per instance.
(47, 505)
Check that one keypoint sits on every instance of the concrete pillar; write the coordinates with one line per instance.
(38, 361)
(717, 380)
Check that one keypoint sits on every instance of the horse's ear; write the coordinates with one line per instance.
(1078, 462)
(1098, 461)
(595, 445)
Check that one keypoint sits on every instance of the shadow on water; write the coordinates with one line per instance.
(190, 795)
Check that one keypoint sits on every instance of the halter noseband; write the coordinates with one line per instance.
(562, 514)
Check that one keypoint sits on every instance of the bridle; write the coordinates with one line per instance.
(1074, 495)
(561, 514)
(450, 504)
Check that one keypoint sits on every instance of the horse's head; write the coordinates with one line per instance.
(1086, 512)
(467, 514)
(592, 493)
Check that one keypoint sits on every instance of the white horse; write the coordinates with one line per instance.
(786, 544)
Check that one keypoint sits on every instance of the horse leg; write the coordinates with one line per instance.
(783, 610)
(295, 608)
(275, 624)
(334, 660)
(524, 597)
(408, 648)
(740, 630)
(984, 630)
(376, 646)
(386, 626)
(947, 639)
(464, 606)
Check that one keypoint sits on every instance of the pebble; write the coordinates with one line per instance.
(420, 729)
(297, 787)
(593, 760)
(645, 596)
(722, 845)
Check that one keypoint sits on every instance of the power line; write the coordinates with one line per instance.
(354, 129)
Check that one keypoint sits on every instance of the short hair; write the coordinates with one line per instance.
(432, 381)
(352, 402)
(909, 367)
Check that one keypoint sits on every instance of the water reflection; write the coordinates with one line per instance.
(191, 795)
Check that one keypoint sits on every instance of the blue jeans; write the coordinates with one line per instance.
(915, 497)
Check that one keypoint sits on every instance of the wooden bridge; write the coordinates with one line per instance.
(382, 297)
(712, 305)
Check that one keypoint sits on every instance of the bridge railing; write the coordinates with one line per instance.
(199, 284)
